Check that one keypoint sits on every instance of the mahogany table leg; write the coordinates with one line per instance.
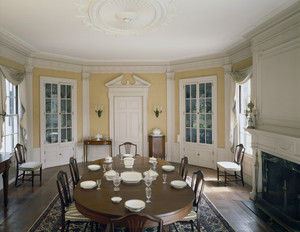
(5, 186)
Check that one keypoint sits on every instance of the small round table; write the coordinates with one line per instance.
(167, 203)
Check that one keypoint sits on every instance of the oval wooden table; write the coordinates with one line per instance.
(167, 203)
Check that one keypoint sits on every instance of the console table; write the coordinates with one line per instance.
(4, 168)
(94, 142)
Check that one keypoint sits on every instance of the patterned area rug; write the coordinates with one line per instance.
(211, 219)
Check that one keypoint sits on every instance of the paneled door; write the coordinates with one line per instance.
(199, 120)
(128, 122)
(57, 120)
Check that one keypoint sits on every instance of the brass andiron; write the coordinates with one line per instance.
(251, 115)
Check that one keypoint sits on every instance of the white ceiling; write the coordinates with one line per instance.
(199, 28)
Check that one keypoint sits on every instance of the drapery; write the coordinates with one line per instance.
(15, 77)
(238, 77)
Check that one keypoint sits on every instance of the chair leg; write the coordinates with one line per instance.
(218, 173)
(236, 179)
(192, 225)
(23, 176)
(225, 175)
(41, 176)
(242, 178)
(17, 175)
(32, 176)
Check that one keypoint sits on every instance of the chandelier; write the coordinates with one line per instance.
(125, 17)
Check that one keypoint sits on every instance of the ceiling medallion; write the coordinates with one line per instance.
(126, 17)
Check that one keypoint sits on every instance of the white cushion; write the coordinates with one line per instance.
(72, 214)
(228, 166)
(30, 166)
(191, 216)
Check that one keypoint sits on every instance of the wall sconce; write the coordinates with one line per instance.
(157, 111)
(251, 113)
(99, 110)
(3, 114)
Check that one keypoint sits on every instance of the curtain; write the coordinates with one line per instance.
(15, 77)
(238, 77)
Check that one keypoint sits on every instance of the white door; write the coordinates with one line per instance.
(57, 120)
(128, 122)
(199, 120)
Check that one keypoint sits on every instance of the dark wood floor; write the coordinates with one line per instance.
(26, 204)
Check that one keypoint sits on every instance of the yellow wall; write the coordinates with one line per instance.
(11, 64)
(219, 72)
(37, 72)
(99, 95)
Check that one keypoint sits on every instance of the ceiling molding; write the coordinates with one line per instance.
(11, 54)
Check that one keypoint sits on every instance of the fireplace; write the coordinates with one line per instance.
(276, 179)
(280, 193)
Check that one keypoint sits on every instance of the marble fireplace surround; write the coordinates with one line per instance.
(284, 146)
(275, 143)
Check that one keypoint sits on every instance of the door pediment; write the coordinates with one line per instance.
(128, 82)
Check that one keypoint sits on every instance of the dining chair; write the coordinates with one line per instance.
(235, 166)
(74, 171)
(27, 168)
(184, 166)
(197, 185)
(135, 222)
(69, 212)
(128, 148)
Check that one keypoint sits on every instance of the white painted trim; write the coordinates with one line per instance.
(85, 105)
(170, 116)
(139, 89)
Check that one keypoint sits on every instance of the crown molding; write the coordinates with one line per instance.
(11, 54)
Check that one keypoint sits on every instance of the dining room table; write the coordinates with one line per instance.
(167, 202)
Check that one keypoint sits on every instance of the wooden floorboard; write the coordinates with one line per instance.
(26, 204)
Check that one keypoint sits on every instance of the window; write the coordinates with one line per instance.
(198, 102)
(11, 119)
(243, 93)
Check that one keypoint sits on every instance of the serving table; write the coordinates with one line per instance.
(87, 142)
(167, 203)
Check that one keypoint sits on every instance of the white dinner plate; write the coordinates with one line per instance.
(168, 168)
(179, 184)
(89, 184)
(135, 205)
(94, 167)
(131, 177)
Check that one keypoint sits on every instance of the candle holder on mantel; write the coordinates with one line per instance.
(250, 115)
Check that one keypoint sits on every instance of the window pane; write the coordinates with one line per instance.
(48, 121)
(62, 91)
(69, 120)
(54, 106)
(187, 91)
(48, 105)
(54, 90)
(193, 91)
(208, 121)
(187, 120)
(48, 90)
(208, 105)
(55, 120)
(194, 121)
(63, 135)
(202, 136)
(69, 134)
(194, 135)
(69, 92)
(63, 120)
(193, 106)
(208, 137)
(202, 120)
(15, 124)
(202, 105)
(48, 136)
(188, 135)
(69, 107)
(54, 136)
(63, 106)
(208, 89)
(201, 90)
(187, 106)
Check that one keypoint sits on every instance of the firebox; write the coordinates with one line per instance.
(280, 195)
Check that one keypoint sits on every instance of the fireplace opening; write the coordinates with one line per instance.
(280, 194)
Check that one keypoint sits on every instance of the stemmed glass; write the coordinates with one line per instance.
(116, 181)
(154, 165)
(164, 176)
(148, 194)
(104, 167)
(148, 180)
(98, 184)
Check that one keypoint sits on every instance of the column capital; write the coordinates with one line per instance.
(170, 76)
(85, 76)
(227, 69)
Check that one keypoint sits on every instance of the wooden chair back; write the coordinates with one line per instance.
(184, 166)
(63, 189)
(20, 153)
(239, 154)
(74, 171)
(136, 222)
(127, 146)
(197, 185)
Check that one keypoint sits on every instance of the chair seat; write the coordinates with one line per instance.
(72, 214)
(191, 216)
(228, 166)
(30, 166)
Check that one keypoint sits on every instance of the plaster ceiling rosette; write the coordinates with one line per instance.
(126, 17)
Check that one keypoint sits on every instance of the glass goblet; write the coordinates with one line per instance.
(164, 176)
(148, 194)
(104, 167)
(154, 165)
(98, 184)
(117, 181)
(148, 180)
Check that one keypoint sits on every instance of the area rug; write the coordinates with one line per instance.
(211, 219)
